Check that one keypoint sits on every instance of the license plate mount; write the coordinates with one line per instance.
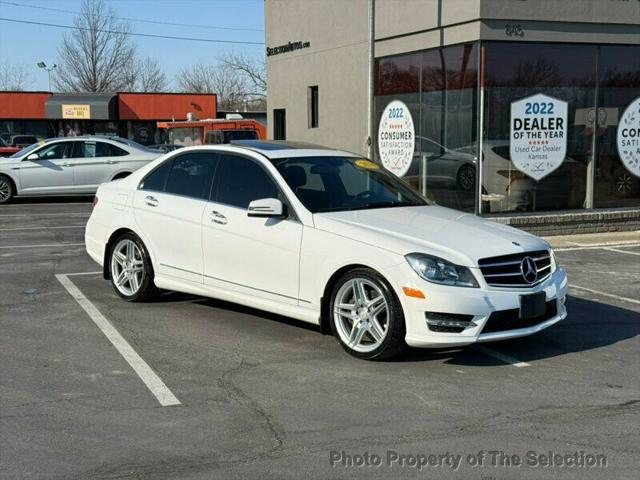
(532, 305)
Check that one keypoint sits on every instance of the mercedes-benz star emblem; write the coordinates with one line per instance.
(529, 270)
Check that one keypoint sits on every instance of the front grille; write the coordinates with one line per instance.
(509, 319)
(505, 271)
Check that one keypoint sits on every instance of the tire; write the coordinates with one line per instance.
(466, 178)
(624, 184)
(130, 269)
(381, 334)
(7, 190)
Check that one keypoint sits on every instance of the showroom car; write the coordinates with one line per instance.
(70, 165)
(326, 237)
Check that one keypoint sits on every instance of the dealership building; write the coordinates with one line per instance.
(524, 111)
(128, 115)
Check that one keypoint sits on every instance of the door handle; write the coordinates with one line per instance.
(109, 162)
(66, 164)
(151, 201)
(219, 218)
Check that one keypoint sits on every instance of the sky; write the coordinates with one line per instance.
(29, 44)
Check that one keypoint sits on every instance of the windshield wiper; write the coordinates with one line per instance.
(386, 205)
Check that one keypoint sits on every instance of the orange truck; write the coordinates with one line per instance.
(213, 131)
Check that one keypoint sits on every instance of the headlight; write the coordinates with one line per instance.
(437, 270)
(552, 256)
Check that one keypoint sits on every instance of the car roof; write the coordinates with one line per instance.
(80, 137)
(284, 149)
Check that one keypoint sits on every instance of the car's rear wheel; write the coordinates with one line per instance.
(131, 270)
(366, 316)
(625, 184)
(466, 178)
(7, 190)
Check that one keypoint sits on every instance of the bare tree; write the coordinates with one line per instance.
(252, 69)
(96, 55)
(219, 79)
(14, 77)
(144, 75)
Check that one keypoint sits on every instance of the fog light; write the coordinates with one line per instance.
(448, 322)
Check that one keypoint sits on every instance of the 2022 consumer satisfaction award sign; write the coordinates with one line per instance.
(396, 138)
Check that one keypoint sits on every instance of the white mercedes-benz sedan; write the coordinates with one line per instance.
(326, 237)
(70, 166)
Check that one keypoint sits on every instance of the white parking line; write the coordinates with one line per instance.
(633, 243)
(605, 294)
(144, 371)
(42, 228)
(43, 246)
(622, 251)
(501, 356)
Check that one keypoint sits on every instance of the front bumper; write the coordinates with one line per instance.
(480, 303)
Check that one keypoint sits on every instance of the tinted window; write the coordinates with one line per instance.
(157, 179)
(54, 151)
(92, 150)
(241, 181)
(191, 175)
(117, 151)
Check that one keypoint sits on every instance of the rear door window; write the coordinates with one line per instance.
(157, 179)
(191, 175)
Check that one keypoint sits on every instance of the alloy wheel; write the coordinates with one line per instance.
(466, 178)
(361, 315)
(127, 267)
(5, 190)
(624, 183)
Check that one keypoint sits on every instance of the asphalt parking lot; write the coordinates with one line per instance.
(238, 393)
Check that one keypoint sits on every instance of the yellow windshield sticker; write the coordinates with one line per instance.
(368, 164)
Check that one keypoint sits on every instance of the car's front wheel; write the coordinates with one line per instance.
(6, 189)
(366, 316)
(131, 270)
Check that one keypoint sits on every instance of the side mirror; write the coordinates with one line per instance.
(33, 156)
(267, 208)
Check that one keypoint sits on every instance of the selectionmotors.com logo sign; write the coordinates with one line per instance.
(396, 138)
(629, 137)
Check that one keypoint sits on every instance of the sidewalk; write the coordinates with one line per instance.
(594, 239)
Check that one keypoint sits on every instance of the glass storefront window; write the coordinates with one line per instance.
(439, 87)
(515, 71)
(619, 85)
(589, 85)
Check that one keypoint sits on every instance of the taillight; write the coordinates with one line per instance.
(95, 201)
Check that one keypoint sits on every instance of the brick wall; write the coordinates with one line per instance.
(568, 223)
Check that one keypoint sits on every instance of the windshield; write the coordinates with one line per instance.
(331, 184)
(26, 151)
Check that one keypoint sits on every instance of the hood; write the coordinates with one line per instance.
(459, 237)
(6, 161)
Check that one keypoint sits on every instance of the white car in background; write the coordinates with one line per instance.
(325, 237)
(70, 165)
